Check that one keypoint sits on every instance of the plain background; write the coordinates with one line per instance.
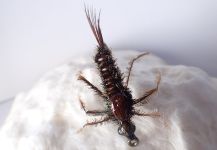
(36, 36)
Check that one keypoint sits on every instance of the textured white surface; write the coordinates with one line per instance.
(4, 110)
(49, 115)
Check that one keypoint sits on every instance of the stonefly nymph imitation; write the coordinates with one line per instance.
(120, 105)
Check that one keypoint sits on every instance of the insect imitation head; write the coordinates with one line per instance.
(127, 129)
(120, 107)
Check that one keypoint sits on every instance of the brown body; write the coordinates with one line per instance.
(120, 104)
(120, 108)
(112, 81)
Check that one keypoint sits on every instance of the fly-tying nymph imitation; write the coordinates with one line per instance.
(120, 105)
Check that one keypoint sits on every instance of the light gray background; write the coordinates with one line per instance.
(36, 36)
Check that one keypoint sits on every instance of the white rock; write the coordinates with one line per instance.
(49, 115)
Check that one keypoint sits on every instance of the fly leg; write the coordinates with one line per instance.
(151, 114)
(92, 112)
(97, 122)
(149, 92)
(131, 66)
(82, 78)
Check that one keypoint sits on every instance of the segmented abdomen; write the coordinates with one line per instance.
(109, 72)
